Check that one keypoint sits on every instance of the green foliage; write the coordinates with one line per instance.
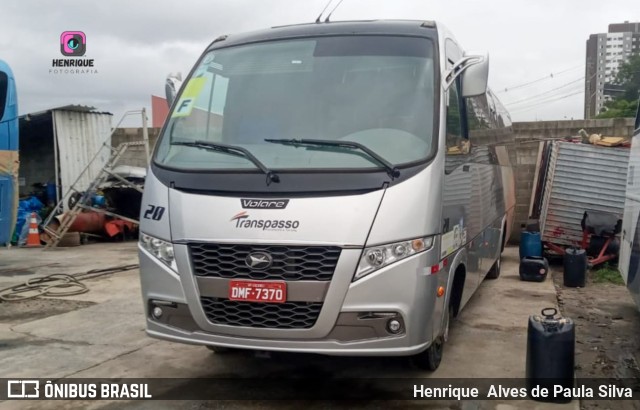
(626, 104)
(619, 108)
(629, 77)
(607, 274)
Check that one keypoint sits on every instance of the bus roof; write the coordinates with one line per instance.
(4, 67)
(366, 27)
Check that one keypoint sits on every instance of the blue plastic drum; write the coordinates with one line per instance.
(530, 244)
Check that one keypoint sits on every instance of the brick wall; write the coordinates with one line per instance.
(527, 136)
(134, 155)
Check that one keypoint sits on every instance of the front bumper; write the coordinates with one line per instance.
(373, 347)
(406, 288)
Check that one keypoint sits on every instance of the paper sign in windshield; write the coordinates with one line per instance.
(188, 98)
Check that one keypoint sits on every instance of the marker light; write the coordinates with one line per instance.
(417, 244)
(376, 257)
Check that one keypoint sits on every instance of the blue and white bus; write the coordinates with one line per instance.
(8, 142)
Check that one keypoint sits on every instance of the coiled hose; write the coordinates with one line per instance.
(57, 284)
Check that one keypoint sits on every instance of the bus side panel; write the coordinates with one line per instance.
(475, 203)
(629, 260)
(629, 263)
(6, 203)
(12, 109)
(462, 217)
(8, 152)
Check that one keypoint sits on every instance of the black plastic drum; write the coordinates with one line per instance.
(575, 268)
(533, 268)
(550, 352)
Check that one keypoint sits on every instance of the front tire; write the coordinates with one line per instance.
(431, 358)
(494, 272)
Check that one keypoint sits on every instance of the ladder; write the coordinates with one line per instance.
(85, 196)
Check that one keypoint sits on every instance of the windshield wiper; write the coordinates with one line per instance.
(231, 150)
(391, 169)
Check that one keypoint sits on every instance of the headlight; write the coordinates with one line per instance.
(377, 257)
(162, 250)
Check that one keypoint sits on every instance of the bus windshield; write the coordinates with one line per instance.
(376, 91)
(4, 91)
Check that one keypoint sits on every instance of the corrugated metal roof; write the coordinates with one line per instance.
(68, 107)
(76, 108)
(580, 178)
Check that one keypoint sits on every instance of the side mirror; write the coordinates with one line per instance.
(475, 76)
(172, 86)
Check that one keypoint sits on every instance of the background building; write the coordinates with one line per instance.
(606, 52)
(159, 111)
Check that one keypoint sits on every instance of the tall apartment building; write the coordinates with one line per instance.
(606, 52)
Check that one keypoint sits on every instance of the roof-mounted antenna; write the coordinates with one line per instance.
(334, 9)
(323, 10)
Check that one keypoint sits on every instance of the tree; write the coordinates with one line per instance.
(619, 108)
(629, 78)
(625, 104)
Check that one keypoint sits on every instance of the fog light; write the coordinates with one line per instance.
(394, 326)
(157, 312)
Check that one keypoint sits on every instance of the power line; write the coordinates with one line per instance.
(551, 98)
(523, 109)
(547, 77)
(544, 93)
(548, 99)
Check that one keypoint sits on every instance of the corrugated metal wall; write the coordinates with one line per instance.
(580, 178)
(79, 136)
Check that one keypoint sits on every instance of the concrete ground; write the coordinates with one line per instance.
(101, 334)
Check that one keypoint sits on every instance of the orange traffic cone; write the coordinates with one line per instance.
(33, 239)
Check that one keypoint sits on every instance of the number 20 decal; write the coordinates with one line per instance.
(154, 212)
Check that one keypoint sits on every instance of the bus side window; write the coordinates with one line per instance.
(478, 114)
(457, 142)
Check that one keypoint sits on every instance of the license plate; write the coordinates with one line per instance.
(258, 291)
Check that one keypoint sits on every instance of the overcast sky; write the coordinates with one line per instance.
(135, 44)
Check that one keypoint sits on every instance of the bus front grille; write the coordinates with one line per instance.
(289, 263)
(289, 315)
